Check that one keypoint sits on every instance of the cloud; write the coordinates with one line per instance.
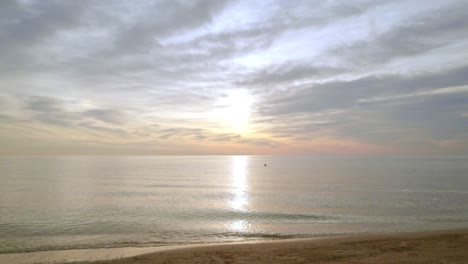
(178, 16)
(410, 37)
(357, 74)
(290, 72)
(110, 116)
(344, 94)
(409, 123)
(93, 126)
(49, 110)
(101, 38)
(60, 112)
(182, 132)
(391, 110)
(441, 91)
(24, 27)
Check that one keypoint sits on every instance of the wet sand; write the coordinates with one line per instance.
(419, 247)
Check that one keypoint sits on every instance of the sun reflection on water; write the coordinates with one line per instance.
(240, 200)
(239, 225)
(239, 181)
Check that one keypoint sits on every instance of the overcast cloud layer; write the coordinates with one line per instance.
(158, 77)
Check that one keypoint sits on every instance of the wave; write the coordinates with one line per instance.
(233, 215)
(219, 237)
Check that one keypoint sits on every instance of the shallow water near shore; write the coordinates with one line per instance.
(49, 203)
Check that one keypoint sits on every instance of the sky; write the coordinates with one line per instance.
(112, 77)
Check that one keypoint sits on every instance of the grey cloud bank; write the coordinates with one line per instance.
(173, 77)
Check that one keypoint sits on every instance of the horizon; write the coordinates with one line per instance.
(317, 155)
(257, 78)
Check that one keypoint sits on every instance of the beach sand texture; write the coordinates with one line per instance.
(429, 247)
(418, 247)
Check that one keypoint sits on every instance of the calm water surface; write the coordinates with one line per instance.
(90, 202)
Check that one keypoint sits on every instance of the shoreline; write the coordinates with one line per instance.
(243, 249)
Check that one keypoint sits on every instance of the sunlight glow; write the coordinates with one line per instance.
(236, 111)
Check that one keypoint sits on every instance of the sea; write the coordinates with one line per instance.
(76, 202)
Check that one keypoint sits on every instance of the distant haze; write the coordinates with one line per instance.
(233, 77)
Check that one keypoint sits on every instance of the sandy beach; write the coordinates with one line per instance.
(419, 247)
(436, 247)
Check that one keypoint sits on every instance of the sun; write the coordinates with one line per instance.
(236, 110)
